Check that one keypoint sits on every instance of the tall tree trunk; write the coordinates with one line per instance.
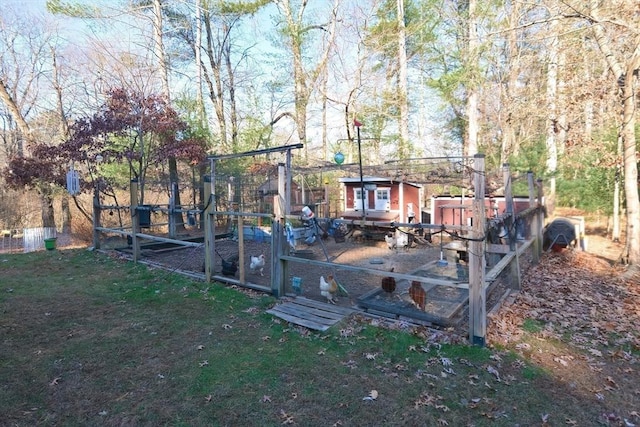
(624, 71)
(231, 88)
(47, 212)
(404, 149)
(64, 132)
(509, 144)
(214, 81)
(552, 119)
(198, 52)
(164, 77)
(14, 110)
(630, 160)
(305, 80)
(471, 146)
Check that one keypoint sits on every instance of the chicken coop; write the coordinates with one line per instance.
(402, 276)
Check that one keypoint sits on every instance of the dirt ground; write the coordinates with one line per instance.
(369, 254)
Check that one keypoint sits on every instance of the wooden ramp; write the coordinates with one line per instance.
(310, 314)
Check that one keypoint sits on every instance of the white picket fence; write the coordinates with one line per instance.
(34, 237)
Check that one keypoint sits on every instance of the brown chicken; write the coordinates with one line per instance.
(389, 283)
(417, 294)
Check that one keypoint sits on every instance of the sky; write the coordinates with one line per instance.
(256, 34)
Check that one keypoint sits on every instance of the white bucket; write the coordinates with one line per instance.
(306, 212)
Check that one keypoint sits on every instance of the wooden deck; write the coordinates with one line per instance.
(310, 314)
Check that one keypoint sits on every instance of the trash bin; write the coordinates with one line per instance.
(144, 215)
(50, 243)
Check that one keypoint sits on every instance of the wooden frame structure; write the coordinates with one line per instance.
(476, 236)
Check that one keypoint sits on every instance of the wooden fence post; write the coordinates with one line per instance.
(135, 220)
(540, 216)
(240, 224)
(96, 217)
(511, 224)
(281, 272)
(279, 267)
(477, 290)
(209, 236)
(172, 208)
(535, 258)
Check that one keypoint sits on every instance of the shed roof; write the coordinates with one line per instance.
(351, 180)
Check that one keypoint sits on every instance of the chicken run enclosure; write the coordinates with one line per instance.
(269, 230)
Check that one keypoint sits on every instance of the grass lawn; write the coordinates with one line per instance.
(87, 339)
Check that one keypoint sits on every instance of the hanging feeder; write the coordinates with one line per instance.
(339, 158)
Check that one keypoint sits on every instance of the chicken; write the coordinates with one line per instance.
(397, 239)
(417, 294)
(257, 264)
(229, 266)
(402, 239)
(328, 288)
(390, 238)
(389, 283)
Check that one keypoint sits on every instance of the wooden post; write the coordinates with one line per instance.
(209, 231)
(135, 220)
(279, 267)
(535, 256)
(96, 217)
(511, 224)
(508, 199)
(172, 208)
(287, 190)
(477, 291)
(241, 248)
(279, 208)
(540, 216)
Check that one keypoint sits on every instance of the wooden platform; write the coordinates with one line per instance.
(311, 314)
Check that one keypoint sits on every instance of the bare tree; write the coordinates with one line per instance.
(296, 32)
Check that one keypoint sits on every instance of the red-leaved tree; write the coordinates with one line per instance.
(140, 131)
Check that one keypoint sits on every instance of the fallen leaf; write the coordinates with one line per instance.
(287, 419)
(373, 395)
(493, 371)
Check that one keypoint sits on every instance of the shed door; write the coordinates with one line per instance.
(357, 199)
(383, 199)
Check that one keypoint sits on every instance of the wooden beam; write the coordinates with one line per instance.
(256, 152)
(477, 289)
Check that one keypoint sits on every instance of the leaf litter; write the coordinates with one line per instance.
(579, 317)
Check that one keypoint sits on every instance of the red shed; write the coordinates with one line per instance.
(384, 199)
(457, 210)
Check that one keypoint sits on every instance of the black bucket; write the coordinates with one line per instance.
(144, 215)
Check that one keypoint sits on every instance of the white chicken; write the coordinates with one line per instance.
(397, 239)
(257, 264)
(402, 239)
(390, 238)
(328, 288)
